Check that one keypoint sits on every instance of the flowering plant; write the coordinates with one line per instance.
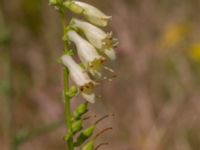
(94, 47)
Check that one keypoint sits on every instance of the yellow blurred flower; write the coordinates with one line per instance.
(174, 34)
(194, 52)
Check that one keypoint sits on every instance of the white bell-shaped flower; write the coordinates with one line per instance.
(93, 14)
(90, 58)
(101, 40)
(80, 78)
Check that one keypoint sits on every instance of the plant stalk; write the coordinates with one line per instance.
(70, 142)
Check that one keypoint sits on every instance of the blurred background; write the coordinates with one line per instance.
(155, 98)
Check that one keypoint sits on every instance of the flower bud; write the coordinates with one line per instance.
(76, 126)
(89, 146)
(74, 7)
(72, 91)
(97, 37)
(68, 135)
(88, 54)
(87, 133)
(82, 109)
(80, 77)
(110, 53)
(93, 14)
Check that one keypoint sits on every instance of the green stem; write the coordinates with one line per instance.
(70, 142)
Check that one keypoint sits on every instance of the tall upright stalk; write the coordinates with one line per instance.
(66, 89)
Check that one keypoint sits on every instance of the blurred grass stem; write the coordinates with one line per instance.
(25, 135)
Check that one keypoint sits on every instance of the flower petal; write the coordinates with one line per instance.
(104, 42)
(80, 77)
(87, 53)
(89, 97)
(93, 14)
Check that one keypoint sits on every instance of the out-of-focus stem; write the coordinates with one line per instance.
(6, 88)
(25, 135)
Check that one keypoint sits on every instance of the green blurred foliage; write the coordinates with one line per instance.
(32, 12)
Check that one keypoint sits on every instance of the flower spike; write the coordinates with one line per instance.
(97, 37)
(92, 14)
(80, 77)
(87, 53)
(93, 46)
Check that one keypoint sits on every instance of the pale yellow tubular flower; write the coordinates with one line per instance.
(92, 14)
(101, 40)
(87, 54)
(80, 78)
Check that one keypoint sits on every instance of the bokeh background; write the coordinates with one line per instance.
(155, 98)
